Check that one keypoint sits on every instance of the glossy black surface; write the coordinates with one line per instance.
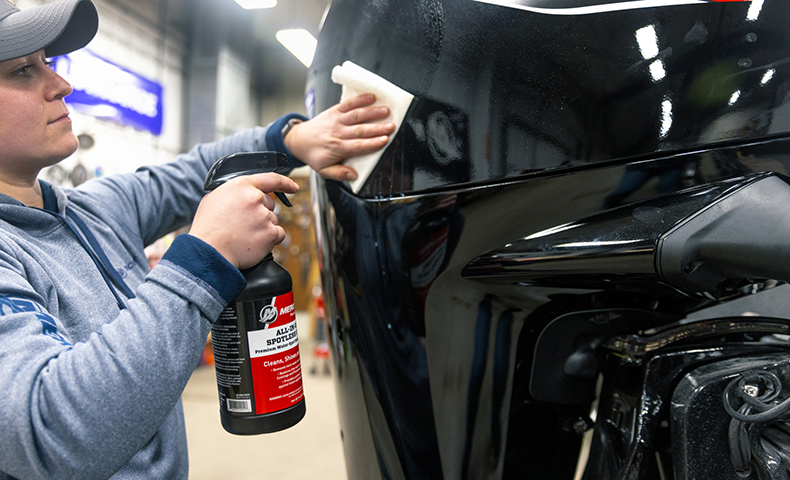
(501, 92)
(470, 285)
(615, 246)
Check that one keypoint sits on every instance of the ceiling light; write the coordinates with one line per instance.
(299, 42)
(253, 4)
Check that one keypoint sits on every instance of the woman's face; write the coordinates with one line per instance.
(35, 128)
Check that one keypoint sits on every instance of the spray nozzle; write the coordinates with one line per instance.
(246, 163)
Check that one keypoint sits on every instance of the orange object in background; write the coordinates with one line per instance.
(207, 358)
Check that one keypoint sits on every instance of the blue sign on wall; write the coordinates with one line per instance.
(105, 90)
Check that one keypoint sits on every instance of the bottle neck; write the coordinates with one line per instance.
(266, 260)
(266, 279)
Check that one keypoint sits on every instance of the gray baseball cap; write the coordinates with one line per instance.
(58, 27)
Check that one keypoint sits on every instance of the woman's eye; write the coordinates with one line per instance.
(49, 63)
(23, 71)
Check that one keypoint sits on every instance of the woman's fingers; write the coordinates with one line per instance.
(272, 182)
(339, 172)
(369, 130)
(364, 115)
(356, 102)
(353, 127)
(237, 218)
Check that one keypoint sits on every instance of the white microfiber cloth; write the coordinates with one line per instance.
(357, 81)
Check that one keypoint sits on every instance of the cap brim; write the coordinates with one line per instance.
(58, 28)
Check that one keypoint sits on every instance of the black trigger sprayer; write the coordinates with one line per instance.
(256, 347)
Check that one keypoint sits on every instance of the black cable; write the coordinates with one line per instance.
(770, 387)
(740, 451)
(767, 411)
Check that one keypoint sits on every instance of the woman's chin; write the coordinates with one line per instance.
(58, 156)
(68, 149)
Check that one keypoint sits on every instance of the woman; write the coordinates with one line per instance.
(95, 349)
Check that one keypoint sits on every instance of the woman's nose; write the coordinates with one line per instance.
(59, 87)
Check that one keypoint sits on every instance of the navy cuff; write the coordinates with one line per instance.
(205, 262)
(274, 138)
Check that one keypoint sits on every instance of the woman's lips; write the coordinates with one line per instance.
(64, 118)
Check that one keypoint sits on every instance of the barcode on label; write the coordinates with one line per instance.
(239, 405)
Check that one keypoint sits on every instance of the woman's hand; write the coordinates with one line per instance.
(238, 219)
(345, 130)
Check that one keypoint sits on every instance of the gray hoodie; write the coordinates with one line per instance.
(92, 362)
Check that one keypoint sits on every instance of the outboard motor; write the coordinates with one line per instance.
(515, 290)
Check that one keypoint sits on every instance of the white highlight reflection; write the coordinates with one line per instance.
(607, 7)
(551, 231)
(648, 41)
(754, 10)
(666, 117)
(769, 74)
(657, 70)
(299, 42)
(603, 243)
(256, 4)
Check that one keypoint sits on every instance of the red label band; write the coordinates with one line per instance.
(277, 381)
(274, 358)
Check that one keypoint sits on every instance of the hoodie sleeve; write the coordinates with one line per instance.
(159, 199)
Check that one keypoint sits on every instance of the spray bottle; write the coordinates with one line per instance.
(256, 347)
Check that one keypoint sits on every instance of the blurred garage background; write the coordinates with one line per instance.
(161, 76)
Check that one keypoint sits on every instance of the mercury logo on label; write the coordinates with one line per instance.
(268, 314)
